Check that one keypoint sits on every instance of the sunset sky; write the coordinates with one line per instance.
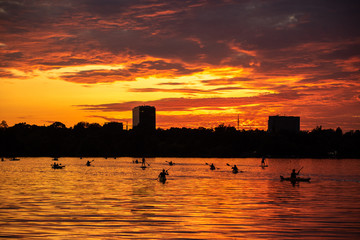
(200, 63)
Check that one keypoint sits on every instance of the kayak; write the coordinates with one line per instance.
(237, 171)
(298, 179)
(143, 167)
(57, 166)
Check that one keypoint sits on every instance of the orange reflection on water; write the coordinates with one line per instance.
(116, 199)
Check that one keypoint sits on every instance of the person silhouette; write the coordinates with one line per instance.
(263, 164)
(162, 175)
(143, 162)
(294, 174)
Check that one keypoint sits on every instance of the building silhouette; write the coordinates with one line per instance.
(277, 124)
(144, 118)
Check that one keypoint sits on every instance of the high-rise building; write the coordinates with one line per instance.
(144, 118)
(278, 124)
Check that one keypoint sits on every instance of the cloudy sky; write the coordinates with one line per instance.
(200, 63)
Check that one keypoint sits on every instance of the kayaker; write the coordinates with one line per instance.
(56, 165)
(235, 168)
(212, 167)
(263, 164)
(88, 163)
(163, 174)
(143, 162)
(294, 174)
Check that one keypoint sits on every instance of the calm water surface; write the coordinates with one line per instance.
(116, 199)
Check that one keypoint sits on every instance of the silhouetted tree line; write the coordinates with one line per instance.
(110, 140)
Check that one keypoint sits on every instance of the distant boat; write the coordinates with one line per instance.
(55, 159)
(56, 166)
(235, 171)
(14, 159)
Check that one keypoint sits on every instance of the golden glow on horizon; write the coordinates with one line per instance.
(43, 95)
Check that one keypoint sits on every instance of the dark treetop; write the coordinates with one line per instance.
(86, 139)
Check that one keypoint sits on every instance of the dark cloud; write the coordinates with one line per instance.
(171, 84)
(127, 74)
(186, 104)
(99, 76)
(343, 77)
(110, 119)
(175, 68)
(191, 91)
(67, 62)
(193, 31)
(345, 52)
(8, 58)
(6, 74)
(173, 90)
(227, 81)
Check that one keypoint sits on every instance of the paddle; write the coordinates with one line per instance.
(229, 165)
(300, 170)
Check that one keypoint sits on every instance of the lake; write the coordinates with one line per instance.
(116, 199)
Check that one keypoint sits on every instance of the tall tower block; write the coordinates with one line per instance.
(144, 118)
(278, 124)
